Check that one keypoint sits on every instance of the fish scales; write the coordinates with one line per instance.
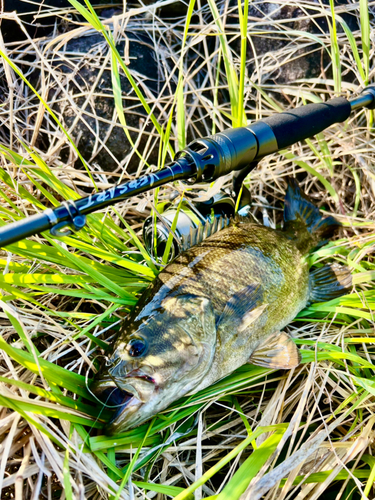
(230, 260)
(218, 305)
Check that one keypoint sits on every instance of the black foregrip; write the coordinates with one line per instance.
(293, 126)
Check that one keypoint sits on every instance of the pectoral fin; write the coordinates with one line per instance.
(242, 309)
(277, 352)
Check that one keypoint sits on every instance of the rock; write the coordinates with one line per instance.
(268, 48)
(79, 72)
(272, 49)
(27, 10)
(173, 10)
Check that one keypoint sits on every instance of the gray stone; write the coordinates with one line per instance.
(98, 116)
(271, 48)
(26, 10)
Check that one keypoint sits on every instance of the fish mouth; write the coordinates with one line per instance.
(126, 396)
(111, 395)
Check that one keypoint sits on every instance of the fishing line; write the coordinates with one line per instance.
(101, 402)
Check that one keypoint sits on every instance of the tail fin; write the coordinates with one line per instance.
(303, 221)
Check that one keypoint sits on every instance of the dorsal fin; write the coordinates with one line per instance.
(249, 218)
(203, 231)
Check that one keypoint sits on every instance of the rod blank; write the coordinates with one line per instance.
(203, 160)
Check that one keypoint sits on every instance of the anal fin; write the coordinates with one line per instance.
(329, 282)
(278, 352)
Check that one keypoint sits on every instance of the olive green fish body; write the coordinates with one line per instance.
(225, 265)
(217, 306)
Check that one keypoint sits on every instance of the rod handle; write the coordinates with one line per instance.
(298, 124)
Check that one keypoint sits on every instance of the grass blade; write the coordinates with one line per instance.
(250, 468)
(228, 64)
(335, 54)
(365, 37)
(353, 46)
(181, 132)
(213, 470)
(243, 18)
(312, 171)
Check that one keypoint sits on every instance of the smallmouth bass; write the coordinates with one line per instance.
(217, 306)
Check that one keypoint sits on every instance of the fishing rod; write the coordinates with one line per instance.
(204, 160)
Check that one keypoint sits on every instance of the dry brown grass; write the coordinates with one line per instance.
(31, 464)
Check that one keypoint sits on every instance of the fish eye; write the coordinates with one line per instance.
(137, 347)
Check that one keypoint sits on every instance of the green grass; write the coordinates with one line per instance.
(62, 299)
